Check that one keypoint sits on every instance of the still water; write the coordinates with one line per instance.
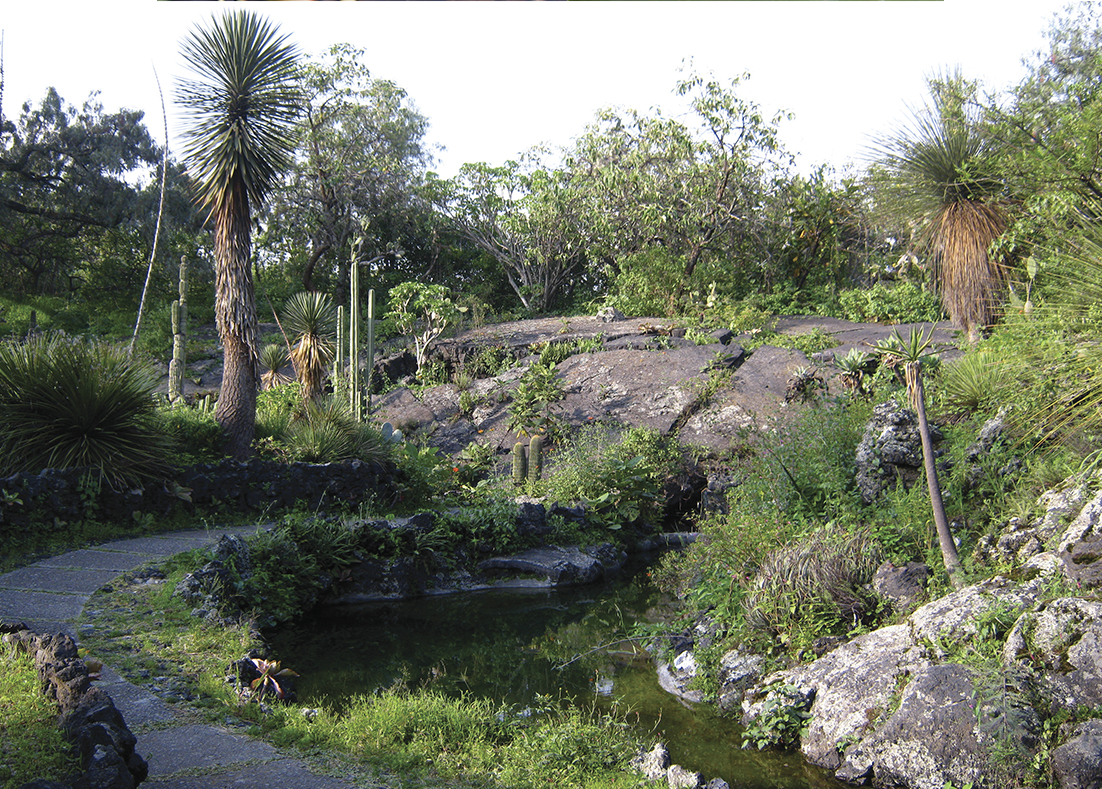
(514, 645)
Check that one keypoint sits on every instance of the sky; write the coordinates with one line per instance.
(495, 79)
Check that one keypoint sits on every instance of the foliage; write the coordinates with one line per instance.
(975, 382)
(68, 403)
(324, 431)
(530, 408)
(31, 742)
(814, 586)
(528, 217)
(197, 435)
(780, 724)
(312, 320)
(66, 185)
(939, 171)
(421, 312)
(903, 302)
(273, 357)
(268, 681)
(617, 473)
(718, 168)
(356, 175)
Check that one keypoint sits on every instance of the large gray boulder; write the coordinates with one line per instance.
(929, 741)
(1078, 762)
(1065, 637)
(849, 687)
(890, 451)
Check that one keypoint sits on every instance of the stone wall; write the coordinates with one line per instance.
(55, 499)
(87, 715)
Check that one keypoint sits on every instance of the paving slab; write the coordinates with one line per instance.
(158, 546)
(281, 773)
(57, 579)
(138, 706)
(199, 747)
(37, 608)
(96, 559)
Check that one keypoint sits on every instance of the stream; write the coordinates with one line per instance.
(514, 645)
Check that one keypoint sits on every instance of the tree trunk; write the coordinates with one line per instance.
(235, 312)
(944, 535)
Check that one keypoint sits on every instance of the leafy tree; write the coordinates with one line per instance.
(358, 165)
(528, 217)
(697, 190)
(242, 101)
(939, 171)
(65, 182)
(421, 312)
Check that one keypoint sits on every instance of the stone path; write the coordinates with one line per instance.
(50, 595)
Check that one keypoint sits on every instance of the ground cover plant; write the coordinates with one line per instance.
(31, 742)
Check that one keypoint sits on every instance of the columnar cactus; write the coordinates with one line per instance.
(520, 464)
(179, 339)
(535, 459)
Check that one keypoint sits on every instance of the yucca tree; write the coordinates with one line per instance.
(242, 102)
(936, 172)
(311, 319)
(911, 353)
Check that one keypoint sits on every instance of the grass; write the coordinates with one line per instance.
(31, 743)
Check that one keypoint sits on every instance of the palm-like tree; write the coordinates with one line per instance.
(242, 100)
(911, 354)
(312, 319)
(936, 172)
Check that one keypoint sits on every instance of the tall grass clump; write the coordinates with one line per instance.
(71, 403)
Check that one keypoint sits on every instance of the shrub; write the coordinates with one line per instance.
(814, 586)
(326, 432)
(67, 403)
(901, 303)
(974, 382)
(199, 438)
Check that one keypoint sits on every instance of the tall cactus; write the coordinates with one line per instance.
(520, 464)
(338, 357)
(179, 339)
(356, 401)
(370, 346)
(535, 459)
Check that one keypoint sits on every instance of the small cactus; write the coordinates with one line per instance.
(390, 433)
(520, 464)
(535, 459)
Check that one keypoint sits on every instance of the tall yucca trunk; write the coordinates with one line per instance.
(235, 313)
(949, 555)
(969, 280)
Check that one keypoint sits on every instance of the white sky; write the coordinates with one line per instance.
(497, 78)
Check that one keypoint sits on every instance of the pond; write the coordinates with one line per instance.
(515, 645)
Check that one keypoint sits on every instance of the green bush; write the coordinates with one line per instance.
(67, 403)
(901, 303)
(618, 472)
(814, 587)
(326, 432)
(199, 438)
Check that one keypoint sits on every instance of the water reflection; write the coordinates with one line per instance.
(517, 646)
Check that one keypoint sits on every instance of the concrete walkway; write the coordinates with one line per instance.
(50, 595)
